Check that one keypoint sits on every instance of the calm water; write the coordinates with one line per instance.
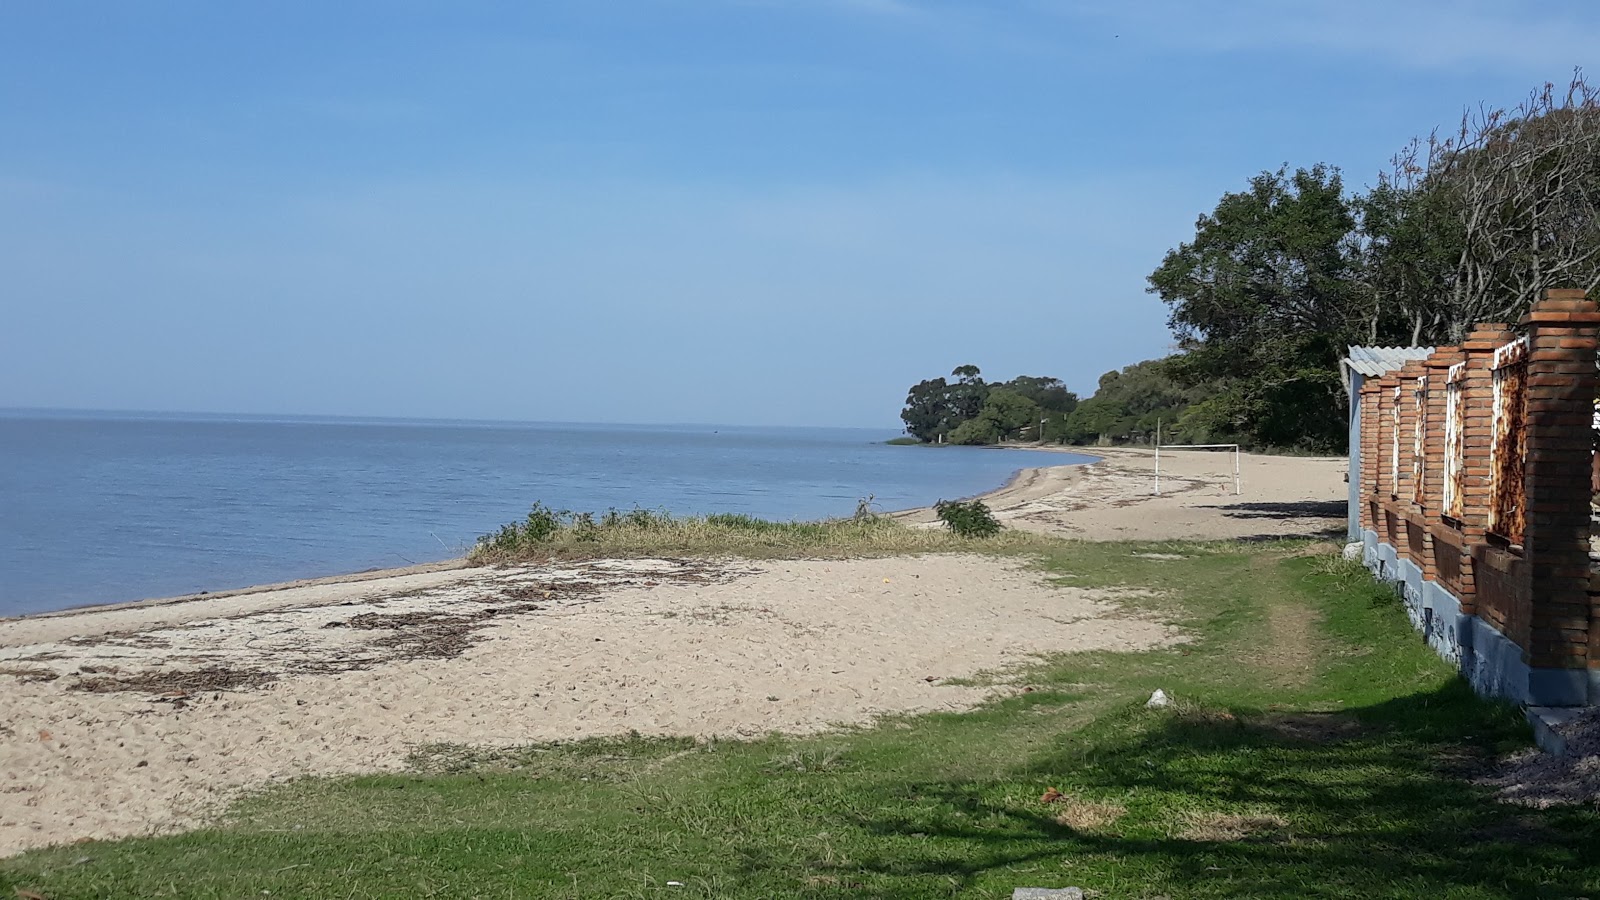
(102, 508)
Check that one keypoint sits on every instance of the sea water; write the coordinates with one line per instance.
(99, 508)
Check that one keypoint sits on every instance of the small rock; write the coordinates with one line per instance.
(1352, 552)
(1158, 700)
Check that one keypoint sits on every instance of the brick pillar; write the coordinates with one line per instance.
(1477, 398)
(1386, 385)
(1407, 376)
(1369, 452)
(1562, 329)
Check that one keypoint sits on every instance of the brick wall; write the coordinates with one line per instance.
(1533, 587)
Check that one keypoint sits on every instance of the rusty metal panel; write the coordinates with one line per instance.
(1508, 450)
(1394, 441)
(1455, 430)
(1419, 460)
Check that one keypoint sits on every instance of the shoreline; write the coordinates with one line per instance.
(447, 565)
(152, 717)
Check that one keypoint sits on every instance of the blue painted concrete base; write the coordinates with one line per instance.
(1490, 662)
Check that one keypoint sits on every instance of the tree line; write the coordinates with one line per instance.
(1464, 226)
(969, 410)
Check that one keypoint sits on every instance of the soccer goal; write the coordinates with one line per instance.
(1238, 486)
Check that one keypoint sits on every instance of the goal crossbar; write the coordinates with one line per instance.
(1238, 486)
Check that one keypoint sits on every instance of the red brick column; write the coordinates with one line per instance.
(1369, 452)
(1477, 398)
(1563, 332)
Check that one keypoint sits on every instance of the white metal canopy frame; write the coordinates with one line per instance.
(1238, 488)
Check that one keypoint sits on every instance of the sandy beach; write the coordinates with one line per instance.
(1115, 499)
(150, 717)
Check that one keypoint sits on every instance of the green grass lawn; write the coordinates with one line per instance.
(1317, 749)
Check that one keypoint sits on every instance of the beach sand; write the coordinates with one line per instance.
(146, 718)
(1115, 499)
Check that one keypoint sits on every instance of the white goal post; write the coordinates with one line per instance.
(1238, 486)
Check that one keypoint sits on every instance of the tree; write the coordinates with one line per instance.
(1485, 220)
(1264, 301)
(1130, 403)
(927, 413)
(968, 393)
(1050, 394)
(972, 411)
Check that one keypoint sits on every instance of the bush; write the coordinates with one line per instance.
(970, 519)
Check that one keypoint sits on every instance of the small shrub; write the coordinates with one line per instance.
(969, 518)
(542, 524)
(864, 510)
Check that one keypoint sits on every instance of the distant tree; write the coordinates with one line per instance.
(1010, 413)
(1050, 394)
(1130, 403)
(973, 411)
(929, 412)
(967, 394)
(975, 431)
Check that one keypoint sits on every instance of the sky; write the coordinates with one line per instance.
(760, 212)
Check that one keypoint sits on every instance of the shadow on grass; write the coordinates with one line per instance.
(1375, 801)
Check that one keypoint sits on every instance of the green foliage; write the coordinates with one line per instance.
(970, 518)
(1265, 300)
(972, 411)
(935, 407)
(1324, 760)
(1049, 394)
(551, 533)
(1131, 403)
(974, 432)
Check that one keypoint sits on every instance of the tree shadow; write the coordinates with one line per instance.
(1299, 509)
(1372, 801)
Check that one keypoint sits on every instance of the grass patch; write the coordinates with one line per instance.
(559, 534)
(1341, 778)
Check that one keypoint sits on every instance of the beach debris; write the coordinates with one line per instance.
(167, 684)
(1051, 795)
(44, 735)
(1158, 700)
(29, 674)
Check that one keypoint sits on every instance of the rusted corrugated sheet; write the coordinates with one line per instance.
(1394, 442)
(1508, 451)
(1419, 463)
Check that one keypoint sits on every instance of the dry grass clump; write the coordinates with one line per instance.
(548, 533)
(1214, 827)
(1088, 816)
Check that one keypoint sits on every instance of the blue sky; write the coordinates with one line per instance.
(729, 211)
